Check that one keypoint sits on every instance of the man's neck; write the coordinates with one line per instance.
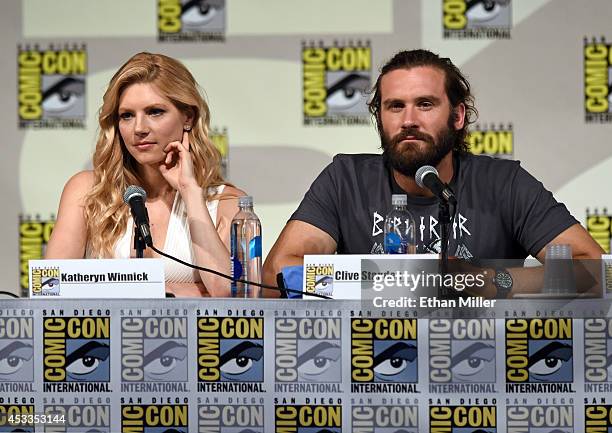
(408, 184)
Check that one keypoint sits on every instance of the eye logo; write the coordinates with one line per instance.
(231, 418)
(463, 419)
(76, 350)
(461, 351)
(538, 351)
(46, 281)
(396, 419)
(16, 349)
(153, 349)
(492, 140)
(597, 89)
(308, 418)
(477, 19)
(308, 350)
(383, 351)
(191, 20)
(335, 83)
(320, 279)
(154, 418)
(52, 86)
(230, 350)
(537, 418)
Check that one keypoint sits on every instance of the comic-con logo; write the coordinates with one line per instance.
(46, 281)
(597, 81)
(230, 355)
(539, 418)
(463, 19)
(154, 418)
(308, 418)
(153, 349)
(231, 418)
(220, 140)
(384, 355)
(34, 235)
(80, 417)
(492, 140)
(597, 418)
(461, 355)
(307, 350)
(599, 226)
(51, 86)
(335, 83)
(9, 421)
(16, 354)
(382, 419)
(539, 355)
(76, 354)
(598, 354)
(191, 20)
(319, 279)
(462, 419)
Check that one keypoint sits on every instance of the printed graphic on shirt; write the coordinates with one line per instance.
(191, 20)
(597, 80)
(477, 19)
(599, 226)
(51, 85)
(428, 237)
(335, 82)
(539, 355)
(492, 140)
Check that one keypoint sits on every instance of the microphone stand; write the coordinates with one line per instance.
(445, 218)
(139, 243)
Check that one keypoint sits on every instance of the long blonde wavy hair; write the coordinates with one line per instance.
(114, 168)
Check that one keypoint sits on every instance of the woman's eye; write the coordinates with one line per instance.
(83, 365)
(156, 111)
(125, 116)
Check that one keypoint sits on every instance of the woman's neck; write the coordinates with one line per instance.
(154, 183)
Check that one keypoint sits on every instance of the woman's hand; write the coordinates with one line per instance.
(177, 168)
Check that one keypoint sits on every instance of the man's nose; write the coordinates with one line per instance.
(410, 118)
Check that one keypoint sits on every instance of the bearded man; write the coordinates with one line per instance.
(423, 105)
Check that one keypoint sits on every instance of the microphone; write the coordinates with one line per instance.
(135, 197)
(427, 177)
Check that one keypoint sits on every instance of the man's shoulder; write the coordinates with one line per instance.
(357, 161)
(483, 164)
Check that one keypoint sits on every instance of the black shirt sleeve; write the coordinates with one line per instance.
(319, 206)
(537, 218)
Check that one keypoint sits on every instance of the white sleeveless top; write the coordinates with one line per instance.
(178, 240)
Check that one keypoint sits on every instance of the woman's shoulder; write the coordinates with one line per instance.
(230, 191)
(79, 184)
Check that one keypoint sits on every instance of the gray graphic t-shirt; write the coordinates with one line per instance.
(503, 212)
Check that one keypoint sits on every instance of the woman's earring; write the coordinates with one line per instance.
(187, 128)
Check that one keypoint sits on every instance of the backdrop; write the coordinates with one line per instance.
(286, 82)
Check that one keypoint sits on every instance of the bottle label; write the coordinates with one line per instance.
(236, 268)
(394, 244)
(255, 247)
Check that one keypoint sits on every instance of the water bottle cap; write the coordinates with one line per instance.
(399, 199)
(245, 201)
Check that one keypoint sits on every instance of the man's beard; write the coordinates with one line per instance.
(408, 160)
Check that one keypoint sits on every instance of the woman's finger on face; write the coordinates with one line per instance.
(185, 142)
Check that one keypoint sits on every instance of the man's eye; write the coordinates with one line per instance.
(83, 365)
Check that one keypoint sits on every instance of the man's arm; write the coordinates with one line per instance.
(297, 239)
(583, 245)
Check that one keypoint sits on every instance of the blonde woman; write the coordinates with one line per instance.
(154, 127)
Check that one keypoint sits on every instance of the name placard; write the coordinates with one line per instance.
(343, 276)
(97, 278)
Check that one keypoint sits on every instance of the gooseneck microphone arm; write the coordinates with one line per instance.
(135, 197)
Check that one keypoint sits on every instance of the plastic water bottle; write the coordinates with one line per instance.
(245, 245)
(399, 227)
